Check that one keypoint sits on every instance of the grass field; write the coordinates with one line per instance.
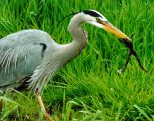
(89, 88)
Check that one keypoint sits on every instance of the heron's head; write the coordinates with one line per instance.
(97, 19)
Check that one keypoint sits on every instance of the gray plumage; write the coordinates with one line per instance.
(33, 56)
(22, 55)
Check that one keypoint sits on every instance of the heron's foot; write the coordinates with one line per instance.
(45, 114)
(1, 106)
(47, 117)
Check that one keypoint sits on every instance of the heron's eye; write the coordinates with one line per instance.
(101, 21)
(98, 19)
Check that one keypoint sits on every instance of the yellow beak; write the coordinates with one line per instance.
(112, 29)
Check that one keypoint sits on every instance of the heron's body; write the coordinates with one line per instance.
(33, 56)
(20, 54)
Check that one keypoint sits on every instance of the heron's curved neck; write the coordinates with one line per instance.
(71, 50)
(78, 34)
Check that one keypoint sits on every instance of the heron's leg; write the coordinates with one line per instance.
(45, 114)
(1, 105)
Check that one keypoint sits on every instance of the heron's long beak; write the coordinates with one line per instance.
(112, 29)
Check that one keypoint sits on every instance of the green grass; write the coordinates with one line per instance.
(88, 88)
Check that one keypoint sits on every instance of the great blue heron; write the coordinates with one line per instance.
(32, 57)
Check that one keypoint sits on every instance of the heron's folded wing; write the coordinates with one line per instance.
(18, 60)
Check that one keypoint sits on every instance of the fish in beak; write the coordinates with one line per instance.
(122, 38)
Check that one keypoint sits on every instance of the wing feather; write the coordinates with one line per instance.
(20, 54)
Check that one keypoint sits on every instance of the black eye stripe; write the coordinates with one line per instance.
(92, 13)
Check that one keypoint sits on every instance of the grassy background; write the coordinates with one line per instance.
(88, 88)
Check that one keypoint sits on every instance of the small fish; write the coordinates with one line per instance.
(128, 43)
